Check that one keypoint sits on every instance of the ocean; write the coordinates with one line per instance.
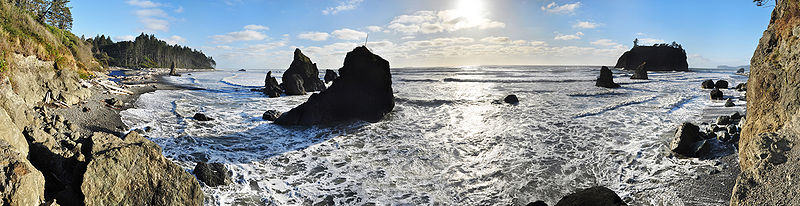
(446, 142)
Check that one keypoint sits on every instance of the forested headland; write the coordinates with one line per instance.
(146, 51)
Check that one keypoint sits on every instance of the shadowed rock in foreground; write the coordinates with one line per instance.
(363, 91)
(598, 195)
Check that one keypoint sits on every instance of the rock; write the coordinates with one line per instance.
(114, 102)
(12, 135)
(597, 195)
(363, 91)
(741, 87)
(537, 203)
(716, 94)
(132, 171)
(736, 115)
(658, 58)
(511, 99)
(723, 120)
(640, 72)
(708, 84)
(271, 115)
(732, 129)
(723, 136)
(86, 109)
(201, 117)
(271, 87)
(20, 183)
(214, 174)
(606, 78)
(172, 71)
(740, 71)
(729, 103)
(685, 140)
(293, 84)
(330, 75)
(307, 72)
(721, 84)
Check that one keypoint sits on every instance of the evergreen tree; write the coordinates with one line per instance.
(147, 51)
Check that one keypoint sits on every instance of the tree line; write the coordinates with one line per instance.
(146, 51)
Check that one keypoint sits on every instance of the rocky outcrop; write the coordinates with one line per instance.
(363, 91)
(606, 78)
(640, 72)
(658, 58)
(302, 72)
(721, 84)
(172, 71)
(716, 94)
(132, 171)
(271, 86)
(768, 148)
(511, 99)
(201, 117)
(707, 84)
(686, 141)
(330, 75)
(214, 174)
(20, 183)
(271, 115)
(597, 195)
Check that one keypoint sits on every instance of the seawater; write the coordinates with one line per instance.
(445, 143)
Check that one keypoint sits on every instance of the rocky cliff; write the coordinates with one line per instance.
(658, 58)
(768, 150)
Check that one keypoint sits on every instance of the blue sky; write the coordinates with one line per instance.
(257, 34)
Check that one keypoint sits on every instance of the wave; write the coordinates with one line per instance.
(627, 102)
(516, 80)
(594, 94)
(419, 80)
(427, 103)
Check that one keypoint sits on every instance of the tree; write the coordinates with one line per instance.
(763, 2)
(636, 42)
(53, 12)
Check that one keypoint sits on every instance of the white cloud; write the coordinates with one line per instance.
(650, 41)
(374, 28)
(343, 6)
(407, 37)
(255, 27)
(124, 38)
(605, 42)
(349, 34)
(538, 43)
(143, 4)
(151, 13)
(569, 36)
(179, 9)
(431, 28)
(440, 21)
(154, 24)
(496, 40)
(585, 25)
(563, 9)
(403, 28)
(314, 36)
(175, 39)
(246, 35)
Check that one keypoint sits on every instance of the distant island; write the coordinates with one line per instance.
(146, 51)
(659, 57)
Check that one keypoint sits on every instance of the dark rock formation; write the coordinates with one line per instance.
(723, 120)
(594, 196)
(132, 171)
(708, 84)
(114, 102)
(685, 141)
(741, 87)
(330, 75)
(271, 115)
(511, 99)
(721, 84)
(202, 117)
(214, 174)
(363, 91)
(271, 87)
(308, 75)
(740, 70)
(729, 103)
(658, 58)
(537, 203)
(606, 78)
(640, 72)
(172, 71)
(716, 94)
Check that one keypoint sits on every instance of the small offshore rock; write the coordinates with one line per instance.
(716, 94)
(271, 87)
(213, 174)
(723, 120)
(740, 70)
(606, 78)
(685, 138)
(741, 87)
(597, 195)
(721, 84)
(640, 72)
(202, 117)
(330, 75)
(736, 115)
(511, 99)
(708, 84)
(271, 115)
(729, 103)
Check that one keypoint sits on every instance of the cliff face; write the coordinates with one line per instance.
(768, 151)
(658, 58)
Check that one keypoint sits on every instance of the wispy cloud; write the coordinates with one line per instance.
(255, 27)
(585, 25)
(343, 6)
(650, 41)
(349, 34)
(575, 36)
(605, 42)
(439, 21)
(152, 18)
(124, 38)
(250, 34)
(561, 9)
(143, 4)
(179, 9)
(175, 39)
(314, 36)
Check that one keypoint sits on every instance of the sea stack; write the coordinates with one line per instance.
(660, 57)
(271, 87)
(172, 71)
(363, 91)
(640, 72)
(302, 76)
(330, 75)
(606, 78)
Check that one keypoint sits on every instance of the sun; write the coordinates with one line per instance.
(470, 10)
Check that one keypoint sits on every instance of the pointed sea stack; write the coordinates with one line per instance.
(640, 72)
(271, 87)
(306, 71)
(606, 78)
(363, 91)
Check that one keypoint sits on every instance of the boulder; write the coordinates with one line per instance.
(741, 87)
(729, 103)
(606, 78)
(723, 136)
(721, 84)
(640, 72)
(271, 87)
(708, 84)
(330, 75)
(732, 129)
(740, 70)
(214, 174)
(293, 84)
(723, 120)
(658, 58)
(12, 135)
(114, 102)
(201, 117)
(685, 140)
(132, 171)
(594, 196)
(271, 115)
(537, 203)
(172, 71)
(716, 94)
(20, 183)
(363, 91)
(736, 115)
(307, 71)
(511, 99)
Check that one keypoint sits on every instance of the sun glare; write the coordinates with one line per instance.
(471, 10)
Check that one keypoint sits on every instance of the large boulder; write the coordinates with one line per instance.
(271, 87)
(214, 174)
(363, 91)
(132, 171)
(708, 84)
(658, 58)
(307, 70)
(594, 196)
(271, 115)
(640, 72)
(606, 78)
(686, 141)
(511, 99)
(716, 94)
(721, 84)
(20, 183)
(330, 75)
(12, 135)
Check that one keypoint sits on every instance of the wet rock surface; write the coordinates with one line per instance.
(212, 174)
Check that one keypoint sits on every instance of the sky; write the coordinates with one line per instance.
(262, 34)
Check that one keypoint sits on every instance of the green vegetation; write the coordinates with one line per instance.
(147, 51)
(51, 12)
